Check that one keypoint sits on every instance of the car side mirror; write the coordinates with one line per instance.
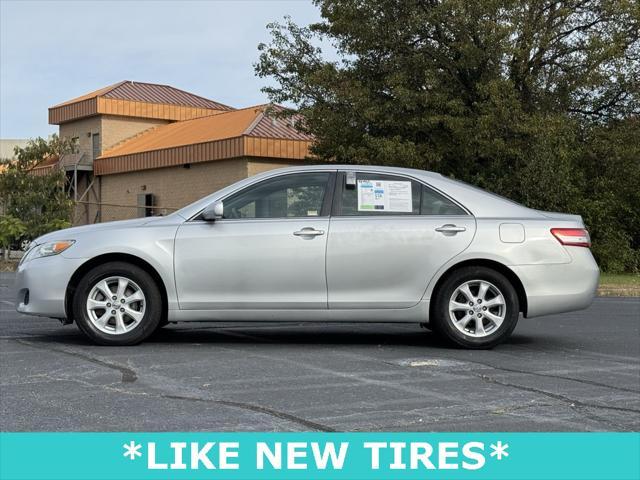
(213, 212)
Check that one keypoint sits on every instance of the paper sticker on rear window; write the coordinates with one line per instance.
(384, 196)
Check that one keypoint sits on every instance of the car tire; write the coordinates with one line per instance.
(490, 313)
(24, 244)
(139, 306)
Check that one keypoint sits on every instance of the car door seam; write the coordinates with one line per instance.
(450, 261)
(326, 253)
(175, 276)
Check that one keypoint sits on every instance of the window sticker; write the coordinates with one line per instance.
(384, 196)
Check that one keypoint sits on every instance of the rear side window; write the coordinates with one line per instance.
(375, 194)
(379, 195)
(433, 203)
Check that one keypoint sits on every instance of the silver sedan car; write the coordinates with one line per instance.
(318, 243)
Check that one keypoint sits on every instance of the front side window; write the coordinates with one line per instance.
(379, 195)
(287, 196)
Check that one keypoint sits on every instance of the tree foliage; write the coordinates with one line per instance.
(537, 100)
(39, 202)
(11, 228)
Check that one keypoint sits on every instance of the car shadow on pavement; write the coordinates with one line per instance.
(277, 334)
(310, 335)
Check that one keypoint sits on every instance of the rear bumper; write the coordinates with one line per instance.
(560, 288)
(41, 285)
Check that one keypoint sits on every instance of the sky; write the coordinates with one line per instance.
(52, 51)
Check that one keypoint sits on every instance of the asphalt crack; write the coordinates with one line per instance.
(128, 374)
(560, 377)
(255, 408)
(555, 396)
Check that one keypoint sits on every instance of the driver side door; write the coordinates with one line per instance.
(267, 252)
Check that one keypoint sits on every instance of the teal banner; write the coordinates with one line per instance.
(370, 456)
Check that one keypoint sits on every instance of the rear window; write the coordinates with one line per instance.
(486, 192)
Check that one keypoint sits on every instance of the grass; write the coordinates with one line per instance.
(620, 279)
(619, 285)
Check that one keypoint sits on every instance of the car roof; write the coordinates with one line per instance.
(360, 168)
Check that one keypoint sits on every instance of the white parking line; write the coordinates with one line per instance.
(6, 302)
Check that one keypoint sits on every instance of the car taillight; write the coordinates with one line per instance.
(575, 237)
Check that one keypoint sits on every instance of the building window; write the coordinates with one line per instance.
(95, 145)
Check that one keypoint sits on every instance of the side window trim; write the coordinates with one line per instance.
(340, 185)
(337, 195)
(332, 202)
(328, 199)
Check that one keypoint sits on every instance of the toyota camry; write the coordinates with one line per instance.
(318, 243)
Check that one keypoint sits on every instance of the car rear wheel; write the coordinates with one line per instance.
(117, 304)
(476, 307)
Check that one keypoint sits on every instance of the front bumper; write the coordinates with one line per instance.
(41, 284)
(560, 288)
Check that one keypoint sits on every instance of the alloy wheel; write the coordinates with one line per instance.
(116, 305)
(477, 308)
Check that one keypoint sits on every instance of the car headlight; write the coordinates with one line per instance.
(50, 248)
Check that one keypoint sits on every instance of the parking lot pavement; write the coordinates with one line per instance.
(571, 372)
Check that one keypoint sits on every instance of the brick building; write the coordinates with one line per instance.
(145, 148)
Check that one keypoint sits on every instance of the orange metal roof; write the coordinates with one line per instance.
(149, 93)
(87, 96)
(249, 121)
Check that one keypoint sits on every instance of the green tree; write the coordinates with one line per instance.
(610, 199)
(11, 229)
(509, 95)
(38, 201)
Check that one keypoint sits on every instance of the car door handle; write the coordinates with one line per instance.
(451, 229)
(308, 232)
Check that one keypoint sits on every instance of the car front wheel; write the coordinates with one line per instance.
(117, 303)
(476, 307)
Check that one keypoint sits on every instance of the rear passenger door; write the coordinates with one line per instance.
(388, 236)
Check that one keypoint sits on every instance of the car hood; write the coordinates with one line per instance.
(70, 233)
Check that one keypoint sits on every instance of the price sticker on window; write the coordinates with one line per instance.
(384, 196)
